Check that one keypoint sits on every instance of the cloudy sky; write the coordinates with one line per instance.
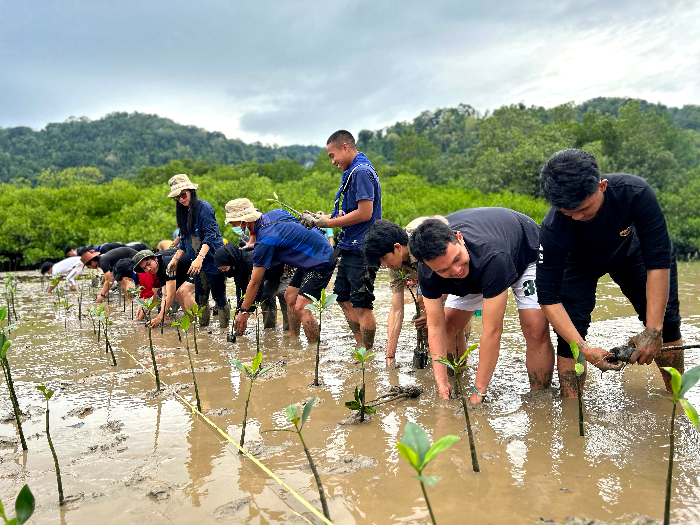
(293, 72)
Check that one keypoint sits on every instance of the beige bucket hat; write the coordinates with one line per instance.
(241, 210)
(178, 183)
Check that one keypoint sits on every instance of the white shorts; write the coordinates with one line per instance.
(524, 290)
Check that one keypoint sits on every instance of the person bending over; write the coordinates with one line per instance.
(68, 268)
(471, 262)
(600, 225)
(105, 262)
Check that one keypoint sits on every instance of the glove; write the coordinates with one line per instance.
(307, 220)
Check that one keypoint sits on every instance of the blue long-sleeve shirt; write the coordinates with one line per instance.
(207, 229)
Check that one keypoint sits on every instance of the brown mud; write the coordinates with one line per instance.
(129, 454)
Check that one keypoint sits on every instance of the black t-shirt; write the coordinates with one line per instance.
(109, 246)
(632, 217)
(107, 260)
(501, 244)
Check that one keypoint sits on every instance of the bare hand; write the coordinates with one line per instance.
(196, 266)
(156, 320)
(444, 390)
(648, 344)
(172, 268)
(476, 398)
(241, 322)
(599, 358)
(100, 298)
(422, 321)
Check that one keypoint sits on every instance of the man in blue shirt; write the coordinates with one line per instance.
(358, 204)
(280, 237)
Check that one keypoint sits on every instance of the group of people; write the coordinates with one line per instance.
(463, 262)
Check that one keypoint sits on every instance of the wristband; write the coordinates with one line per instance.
(477, 392)
(246, 310)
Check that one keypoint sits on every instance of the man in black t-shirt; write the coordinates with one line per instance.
(594, 227)
(471, 262)
(105, 262)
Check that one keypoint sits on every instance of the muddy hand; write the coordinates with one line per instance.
(420, 322)
(603, 360)
(307, 220)
(648, 344)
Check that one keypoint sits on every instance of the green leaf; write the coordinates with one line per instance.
(360, 354)
(445, 362)
(439, 446)
(581, 358)
(370, 410)
(574, 349)
(675, 380)
(417, 440)
(307, 410)
(310, 306)
(691, 412)
(263, 370)
(408, 454)
(2, 512)
(431, 481)
(579, 369)
(353, 405)
(291, 412)
(688, 380)
(330, 300)
(3, 313)
(185, 323)
(323, 296)
(175, 323)
(24, 505)
(256, 362)
(41, 388)
(659, 395)
(238, 365)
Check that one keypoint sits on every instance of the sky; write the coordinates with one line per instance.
(287, 72)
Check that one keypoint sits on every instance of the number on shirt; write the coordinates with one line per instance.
(529, 287)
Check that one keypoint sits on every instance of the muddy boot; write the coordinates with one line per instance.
(269, 313)
(285, 318)
(206, 316)
(224, 317)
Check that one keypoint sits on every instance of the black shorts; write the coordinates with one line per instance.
(578, 293)
(311, 282)
(355, 280)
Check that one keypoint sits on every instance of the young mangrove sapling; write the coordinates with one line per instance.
(252, 372)
(415, 447)
(185, 324)
(420, 353)
(195, 314)
(293, 418)
(47, 395)
(359, 403)
(148, 305)
(320, 306)
(5, 344)
(458, 366)
(24, 507)
(104, 316)
(680, 384)
(579, 369)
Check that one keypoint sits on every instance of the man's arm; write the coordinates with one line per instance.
(363, 213)
(437, 343)
(490, 343)
(394, 322)
(650, 341)
(108, 281)
(251, 291)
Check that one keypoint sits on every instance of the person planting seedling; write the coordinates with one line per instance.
(5, 344)
(359, 403)
(293, 418)
(252, 372)
(185, 324)
(24, 507)
(579, 369)
(415, 448)
(680, 384)
(148, 305)
(47, 395)
(458, 366)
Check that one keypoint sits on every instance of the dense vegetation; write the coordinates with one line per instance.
(440, 162)
(120, 144)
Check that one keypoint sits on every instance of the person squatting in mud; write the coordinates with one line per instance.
(199, 238)
(610, 225)
(471, 262)
(280, 237)
(358, 203)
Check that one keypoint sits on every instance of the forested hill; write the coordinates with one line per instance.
(120, 144)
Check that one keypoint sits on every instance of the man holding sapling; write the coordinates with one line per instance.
(358, 204)
(468, 265)
(605, 225)
(280, 237)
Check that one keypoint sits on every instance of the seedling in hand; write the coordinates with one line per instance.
(252, 372)
(24, 507)
(320, 305)
(579, 369)
(293, 418)
(185, 324)
(458, 366)
(291, 210)
(680, 384)
(5, 344)
(359, 403)
(415, 447)
(47, 395)
(148, 305)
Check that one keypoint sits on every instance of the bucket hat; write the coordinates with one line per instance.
(89, 256)
(140, 256)
(178, 183)
(241, 210)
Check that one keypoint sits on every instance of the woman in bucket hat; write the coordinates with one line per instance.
(199, 238)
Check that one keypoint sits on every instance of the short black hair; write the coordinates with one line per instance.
(430, 239)
(341, 137)
(84, 249)
(67, 248)
(123, 268)
(569, 177)
(45, 267)
(380, 239)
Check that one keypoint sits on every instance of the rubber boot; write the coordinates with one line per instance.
(206, 316)
(224, 316)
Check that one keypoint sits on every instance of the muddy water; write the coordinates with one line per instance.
(128, 456)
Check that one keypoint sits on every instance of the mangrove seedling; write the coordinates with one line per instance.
(415, 447)
(10, 288)
(24, 507)
(277, 201)
(5, 344)
(252, 372)
(134, 292)
(359, 403)
(66, 307)
(458, 366)
(195, 313)
(185, 324)
(320, 306)
(579, 369)
(680, 384)
(148, 305)
(293, 418)
(420, 352)
(47, 395)
(104, 316)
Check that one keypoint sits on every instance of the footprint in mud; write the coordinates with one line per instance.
(168, 390)
(354, 419)
(639, 520)
(80, 412)
(229, 510)
(278, 370)
(217, 412)
(261, 451)
(160, 491)
(347, 464)
(113, 426)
